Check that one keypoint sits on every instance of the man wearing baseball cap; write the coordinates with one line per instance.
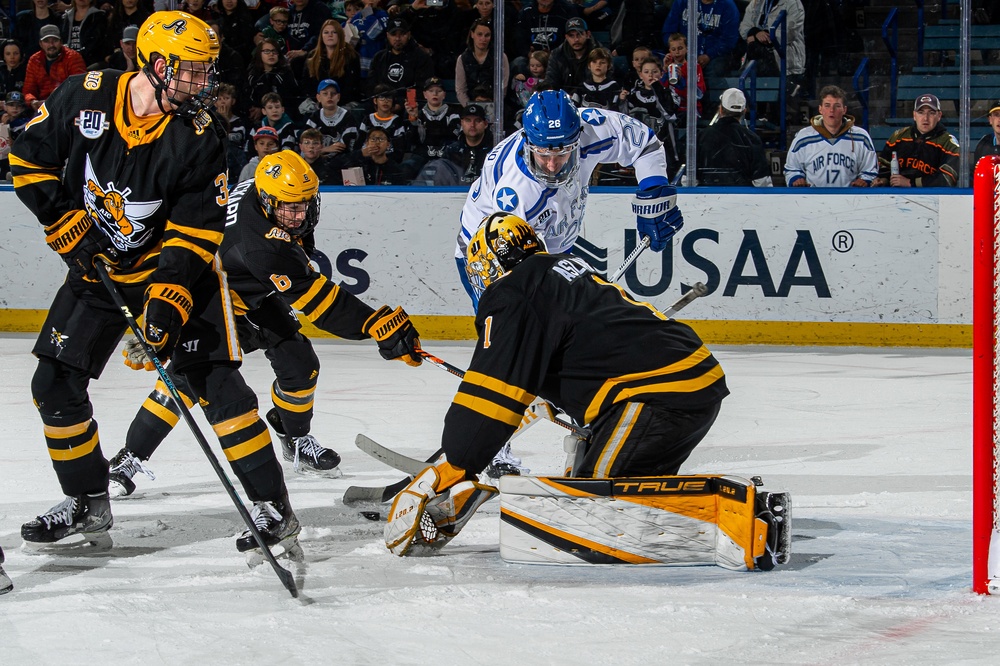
(49, 67)
(927, 154)
(990, 144)
(474, 144)
(124, 57)
(401, 64)
(568, 62)
(729, 154)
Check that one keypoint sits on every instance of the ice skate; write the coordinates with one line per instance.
(5, 583)
(77, 523)
(123, 467)
(279, 526)
(775, 509)
(305, 453)
(504, 464)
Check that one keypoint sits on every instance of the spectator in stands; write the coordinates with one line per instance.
(542, 22)
(374, 161)
(13, 67)
(275, 29)
(632, 76)
(755, 29)
(474, 68)
(269, 72)
(394, 126)
(524, 85)
(334, 58)
(434, 28)
(311, 150)
(306, 19)
(335, 124)
(831, 151)
(370, 23)
(15, 114)
(729, 154)
(597, 13)
(276, 118)
(431, 127)
(126, 13)
(231, 66)
(236, 130)
(49, 67)
(265, 142)
(599, 89)
(990, 144)
(236, 26)
(197, 8)
(85, 30)
(402, 64)
(927, 153)
(481, 9)
(677, 55)
(568, 63)
(30, 21)
(124, 57)
(638, 28)
(473, 145)
(718, 32)
(653, 104)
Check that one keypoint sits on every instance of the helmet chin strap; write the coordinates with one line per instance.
(159, 87)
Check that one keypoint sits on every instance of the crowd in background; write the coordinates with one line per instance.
(359, 87)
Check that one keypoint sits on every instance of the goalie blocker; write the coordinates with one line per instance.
(665, 520)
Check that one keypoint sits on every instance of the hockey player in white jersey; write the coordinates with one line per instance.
(831, 151)
(542, 172)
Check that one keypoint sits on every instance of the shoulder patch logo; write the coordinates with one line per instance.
(93, 80)
(507, 199)
(92, 123)
(278, 234)
(593, 117)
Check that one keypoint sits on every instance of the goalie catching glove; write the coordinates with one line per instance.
(77, 241)
(135, 355)
(433, 509)
(397, 338)
(167, 309)
(657, 215)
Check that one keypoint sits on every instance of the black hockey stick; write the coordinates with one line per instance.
(283, 574)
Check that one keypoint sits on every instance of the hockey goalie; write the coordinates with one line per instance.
(647, 387)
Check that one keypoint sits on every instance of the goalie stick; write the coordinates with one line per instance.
(370, 494)
(283, 574)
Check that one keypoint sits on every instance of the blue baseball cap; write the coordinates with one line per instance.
(327, 83)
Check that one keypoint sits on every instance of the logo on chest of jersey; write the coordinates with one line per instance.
(278, 234)
(116, 215)
(91, 123)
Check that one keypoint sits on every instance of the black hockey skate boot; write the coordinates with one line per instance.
(5, 584)
(123, 467)
(88, 516)
(305, 453)
(504, 464)
(279, 526)
(775, 509)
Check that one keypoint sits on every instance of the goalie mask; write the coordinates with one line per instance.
(288, 192)
(502, 242)
(552, 138)
(190, 49)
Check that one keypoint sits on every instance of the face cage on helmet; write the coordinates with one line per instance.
(565, 174)
(196, 102)
(309, 222)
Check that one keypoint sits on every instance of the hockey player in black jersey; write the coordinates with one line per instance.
(130, 169)
(269, 276)
(548, 326)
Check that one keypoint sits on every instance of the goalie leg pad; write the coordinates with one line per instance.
(669, 520)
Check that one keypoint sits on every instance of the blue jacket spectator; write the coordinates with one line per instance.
(371, 23)
(718, 32)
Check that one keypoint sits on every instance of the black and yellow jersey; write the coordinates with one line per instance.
(262, 259)
(554, 329)
(155, 186)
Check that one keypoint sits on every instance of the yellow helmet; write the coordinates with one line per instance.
(179, 37)
(286, 178)
(501, 242)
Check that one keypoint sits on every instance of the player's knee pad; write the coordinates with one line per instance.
(677, 520)
(60, 392)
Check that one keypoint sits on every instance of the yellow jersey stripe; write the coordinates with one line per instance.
(488, 409)
(234, 453)
(225, 293)
(310, 294)
(63, 455)
(618, 438)
(194, 232)
(515, 393)
(323, 305)
(31, 179)
(205, 255)
(25, 164)
(680, 386)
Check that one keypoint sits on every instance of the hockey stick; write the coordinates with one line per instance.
(283, 574)
(697, 291)
(630, 259)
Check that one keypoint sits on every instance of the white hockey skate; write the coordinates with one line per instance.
(279, 526)
(78, 523)
(504, 463)
(122, 468)
(305, 453)
(5, 583)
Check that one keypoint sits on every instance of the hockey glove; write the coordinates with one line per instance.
(135, 355)
(77, 241)
(433, 509)
(657, 215)
(167, 309)
(397, 338)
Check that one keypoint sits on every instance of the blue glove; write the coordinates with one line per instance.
(657, 215)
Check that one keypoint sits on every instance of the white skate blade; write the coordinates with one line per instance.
(288, 549)
(81, 543)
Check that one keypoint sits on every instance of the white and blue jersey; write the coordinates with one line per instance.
(828, 160)
(556, 213)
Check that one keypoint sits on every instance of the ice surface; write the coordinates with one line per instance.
(873, 445)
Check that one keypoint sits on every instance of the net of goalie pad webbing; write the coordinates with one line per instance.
(670, 520)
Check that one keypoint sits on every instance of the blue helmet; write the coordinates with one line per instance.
(552, 131)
